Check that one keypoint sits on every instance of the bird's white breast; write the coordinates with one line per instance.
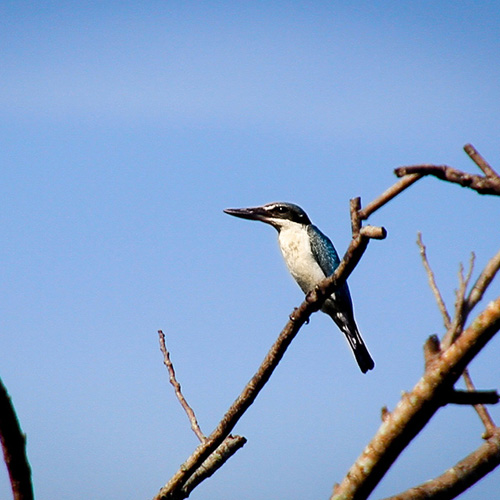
(296, 250)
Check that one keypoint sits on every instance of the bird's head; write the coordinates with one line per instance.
(278, 214)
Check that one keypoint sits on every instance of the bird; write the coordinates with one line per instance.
(310, 257)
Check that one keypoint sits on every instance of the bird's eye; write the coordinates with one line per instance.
(281, 210)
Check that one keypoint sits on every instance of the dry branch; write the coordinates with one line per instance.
(487, 184)
(416, 408)
(14, 449)
(461, 476)
(177, 388)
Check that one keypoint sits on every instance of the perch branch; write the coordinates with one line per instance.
(14, 449)
(313, 302)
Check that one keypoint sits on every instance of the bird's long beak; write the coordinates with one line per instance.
(254, 213)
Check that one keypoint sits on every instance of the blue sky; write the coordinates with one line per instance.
(126, 129)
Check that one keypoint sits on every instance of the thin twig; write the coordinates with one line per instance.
(432, 282)
(14, 449)
(177, 388)
(489, 272)
(480, 161)
(432, 348)
(388, 195)
(483, 413)
(461, 305)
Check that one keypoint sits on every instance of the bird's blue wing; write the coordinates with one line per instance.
(323, 250)
(326, 256)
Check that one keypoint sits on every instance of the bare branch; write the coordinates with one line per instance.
(312, 303)
(416, 408)
(461, 308)
(432, 282)
(489, 272)
(14, 449)
(214, 462)
(482, 185)
(177, 388)
(461, 476)
(480, 161)
(483, 413)
(388, 195)
(473, 398)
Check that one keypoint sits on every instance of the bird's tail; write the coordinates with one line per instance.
(348, 326)
(358, 347)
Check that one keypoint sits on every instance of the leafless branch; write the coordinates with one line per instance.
(488, 184)
(417, 407)
(461, 476)
(432, 282)
(14, 449)
(489, 272)
(177, 388)
(472, 397)
(388, 195)
(312, 303)
(461, 305)
(483, 413)
(480, 161)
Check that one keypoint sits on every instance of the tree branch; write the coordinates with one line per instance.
(417, 407)
(461, 476)
(177, 388)
(14, 449)
(480, 161)
(432, 282)
(472, 397)
(483, 413)
(489, 184)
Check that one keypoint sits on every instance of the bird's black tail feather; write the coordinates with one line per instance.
(358, 347)
(348, 326)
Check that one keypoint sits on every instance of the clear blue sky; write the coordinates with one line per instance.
(126, 129)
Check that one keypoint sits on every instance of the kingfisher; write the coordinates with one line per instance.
(310, 257)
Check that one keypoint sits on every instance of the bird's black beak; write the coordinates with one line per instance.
(255, 213)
